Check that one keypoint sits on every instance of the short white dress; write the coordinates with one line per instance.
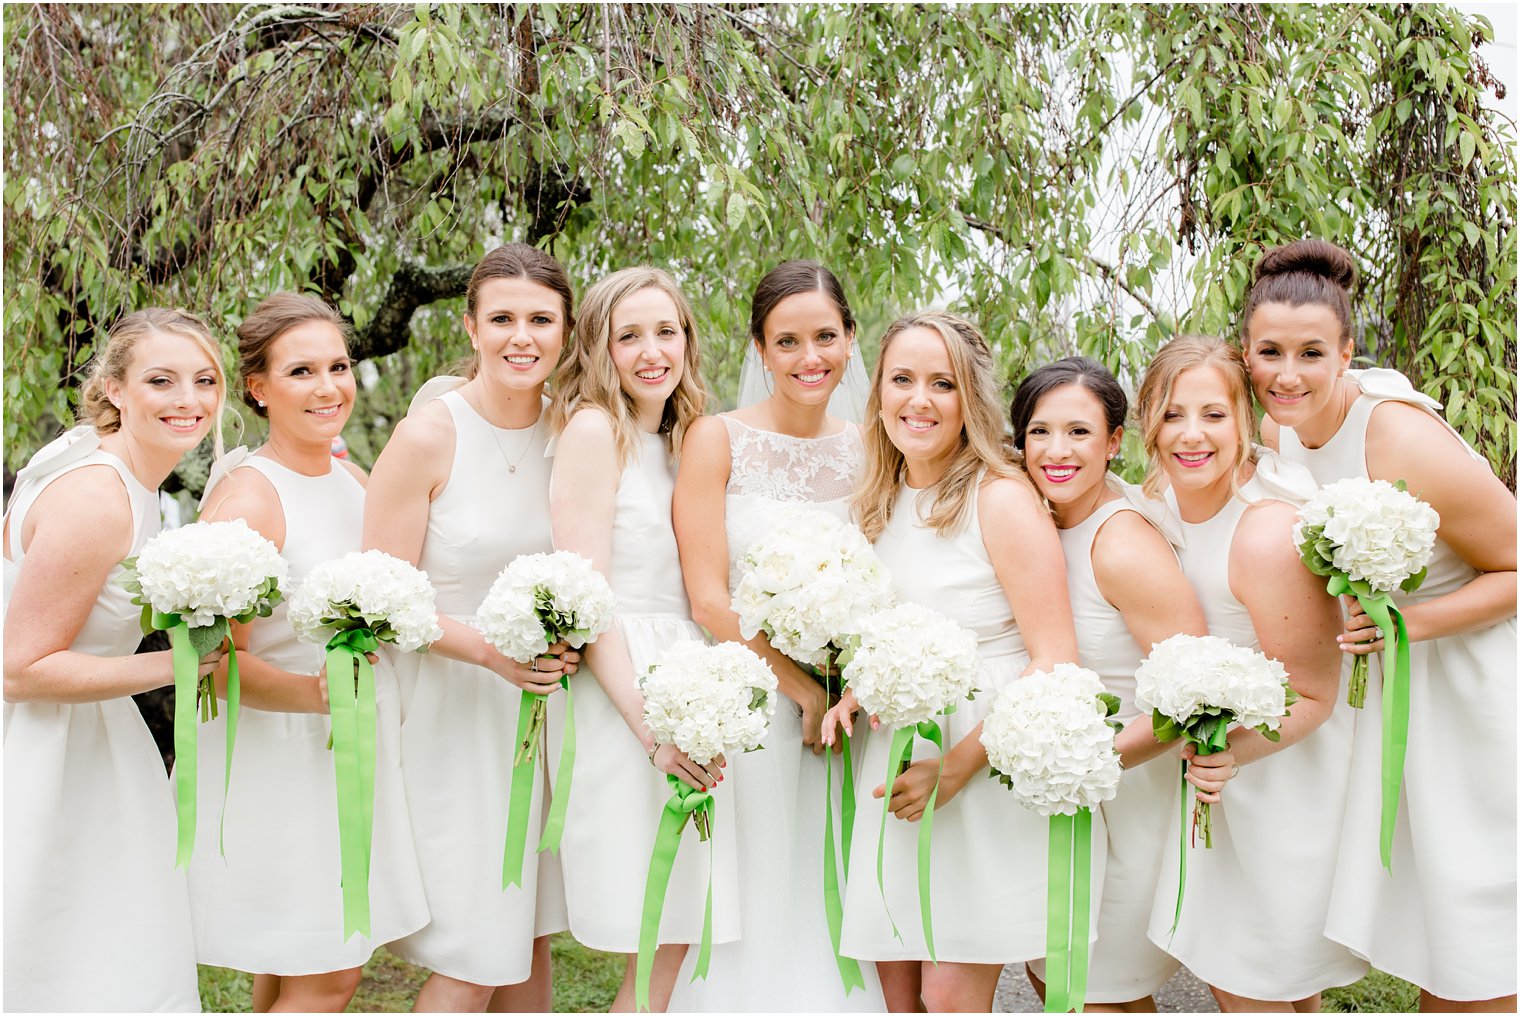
(617, 797)
(1253, 917)
(274, 903)
(1124, 965)
(783, 961)
(97, 918)
(988, 865)
(1445, 917)
(459, 721)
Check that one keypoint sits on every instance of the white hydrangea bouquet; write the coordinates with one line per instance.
(707, 701)
(911, 664)
(536, 601)
(1368, 538)
(349, 605)
(1050, 739)
(1198, 686)
(808, 585)
(193, 582)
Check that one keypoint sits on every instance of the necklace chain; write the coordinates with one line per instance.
(496, 436)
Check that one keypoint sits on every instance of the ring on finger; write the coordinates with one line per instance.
(533, 666)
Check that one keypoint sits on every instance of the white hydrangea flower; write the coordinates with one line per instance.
(1368, 530)
(808, 584)
(368, 589)
(1188, 674)
(1049, 738)
(911, 664)
(709, 700)
(541, 599)
(209, 570)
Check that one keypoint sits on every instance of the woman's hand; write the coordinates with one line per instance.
(1362, 634)
(212, 661)
(842, 715)
(322, 682)
(911, 790)
(539, 675)
(669, 759)
(1209, 773)
(814, 701)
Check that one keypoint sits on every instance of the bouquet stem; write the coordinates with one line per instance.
(1356, 687)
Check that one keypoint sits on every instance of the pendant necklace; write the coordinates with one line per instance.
(496, 436)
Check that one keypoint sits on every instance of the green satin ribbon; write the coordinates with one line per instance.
(1395, 703)
(684, 802)
(833, 900)
(351, 705)
(1068, 911)
(559, 800)
(187, 696)
(1217, 741)
(520, 800)
(900, 753)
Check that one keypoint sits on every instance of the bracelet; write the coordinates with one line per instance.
(1236, 771)
(650, 754)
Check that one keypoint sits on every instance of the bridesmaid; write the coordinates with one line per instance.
(274, 906)
(1127, 592)
(462, 489)
(1445, 917)
(96, 916)
(1254, 914)
(623, 401)
(962, 530)
(736, 470)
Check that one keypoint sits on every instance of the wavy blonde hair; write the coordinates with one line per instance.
(588, 377)
(113, 358)
(982, 446)
(1181, 354)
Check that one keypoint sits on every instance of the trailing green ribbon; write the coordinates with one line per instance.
(899, 755)
(351, 704)
(684, 802)
(1068, 911)
(833, 902)
(1395, 702)
(559, 801)
(1217, 741)
(188, 700)
(520, 800)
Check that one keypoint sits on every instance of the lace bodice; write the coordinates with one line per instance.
(767, 469)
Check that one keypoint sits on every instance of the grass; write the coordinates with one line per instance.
(584, 981)
(1377, 992)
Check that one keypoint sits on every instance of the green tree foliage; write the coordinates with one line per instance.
(1088, 178)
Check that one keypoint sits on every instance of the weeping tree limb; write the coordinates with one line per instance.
(411, 287)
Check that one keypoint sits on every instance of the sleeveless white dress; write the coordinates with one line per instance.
(784, 961)
(459, 721)
(97, 919)
(1445, 917)
(1269, 874)
(274, 905)
(1124, 964)
(617, 797)
(988, 866)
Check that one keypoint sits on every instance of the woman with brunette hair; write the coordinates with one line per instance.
(736, 470)
(961, 529)
(1127, 593)
(97, 919)
(1444, 916)
(623, 402)
(1239, 556)
(462, 489)
(274, 905)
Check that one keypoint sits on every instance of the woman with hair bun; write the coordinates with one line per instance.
(97, 919)
(1444, 917)
(961, 529)
(274, 904)
(1127, 593)
(1253, 916)
(460, 491)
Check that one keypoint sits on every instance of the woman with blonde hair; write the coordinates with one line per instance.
(273, 905)
(1444, 916)
(96, 916)
(1239, 556)
(622, 404)
(461, 490)
(961, 529)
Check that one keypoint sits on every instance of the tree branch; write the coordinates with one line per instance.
(411, 287)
